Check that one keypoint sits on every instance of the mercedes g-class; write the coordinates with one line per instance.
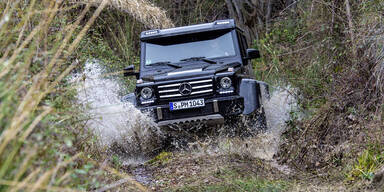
(196, 73)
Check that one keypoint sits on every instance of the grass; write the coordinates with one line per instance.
(250, 184)
(367, 163)
(162, 158)
(233, 181)
(286, 61)
(336, 67)
(142, 10)
(240, 185)
(31, 70)
(114, 44)
(43, 143)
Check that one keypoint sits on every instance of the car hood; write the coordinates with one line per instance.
(188, 72)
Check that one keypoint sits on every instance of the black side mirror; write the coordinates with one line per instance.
(130, 71)
(252, 54)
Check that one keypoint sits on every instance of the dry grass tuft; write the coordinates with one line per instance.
(370, 33)
(35, 44)
(142, 10)
(23, 91)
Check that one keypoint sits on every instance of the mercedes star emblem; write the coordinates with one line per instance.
(185, 89)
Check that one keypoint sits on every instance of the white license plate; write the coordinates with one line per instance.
(186, 104)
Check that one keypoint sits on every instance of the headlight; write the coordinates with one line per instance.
(226, 82)
(146, 93)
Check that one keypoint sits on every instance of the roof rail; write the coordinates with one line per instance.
(216, 25)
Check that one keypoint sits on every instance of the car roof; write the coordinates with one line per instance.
(213, 26)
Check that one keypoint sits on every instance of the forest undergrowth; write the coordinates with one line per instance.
(332, 51)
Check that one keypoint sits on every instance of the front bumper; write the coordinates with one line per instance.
(223, 106)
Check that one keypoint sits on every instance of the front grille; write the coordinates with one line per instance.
(199, 87)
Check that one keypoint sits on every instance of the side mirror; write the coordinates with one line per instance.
(130, 71)
(252, 54)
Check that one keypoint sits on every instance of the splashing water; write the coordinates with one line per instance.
(264, 145)
(119, 126)
(123, 128)
(277, 111)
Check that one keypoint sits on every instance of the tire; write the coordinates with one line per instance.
(245, 125)
(255, 122)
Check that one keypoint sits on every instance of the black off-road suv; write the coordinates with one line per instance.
(196, 73)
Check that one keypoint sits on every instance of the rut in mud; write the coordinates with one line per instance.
(123, 130)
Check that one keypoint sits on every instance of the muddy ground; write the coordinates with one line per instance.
(186, 171)
(181, 171)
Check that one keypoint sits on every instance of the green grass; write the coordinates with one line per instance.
(282, 63)
(162, 158)
(231, 181)
(250, 184)
(367, 163)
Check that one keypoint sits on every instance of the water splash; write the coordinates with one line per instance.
(265, 145)
(119, 126)
(277, 111)
(123, 128)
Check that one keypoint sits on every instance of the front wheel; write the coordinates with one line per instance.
(245, 125)
(255, 122)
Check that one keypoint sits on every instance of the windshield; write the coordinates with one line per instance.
(206, 45)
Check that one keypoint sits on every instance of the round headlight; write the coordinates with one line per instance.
(146, 93)
(226, 82)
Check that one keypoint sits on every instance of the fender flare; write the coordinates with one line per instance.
(131, 98)
(255, 93)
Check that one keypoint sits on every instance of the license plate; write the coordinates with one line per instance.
(186, 104)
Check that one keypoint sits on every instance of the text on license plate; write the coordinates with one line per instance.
(186, 104)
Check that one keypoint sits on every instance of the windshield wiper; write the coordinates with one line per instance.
(199, 59)
(166, 63)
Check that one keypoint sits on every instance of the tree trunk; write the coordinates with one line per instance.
(254, 16)
(350, 24)
(246, 22)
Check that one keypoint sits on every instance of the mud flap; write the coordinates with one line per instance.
(264, 90)
(254, 92)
